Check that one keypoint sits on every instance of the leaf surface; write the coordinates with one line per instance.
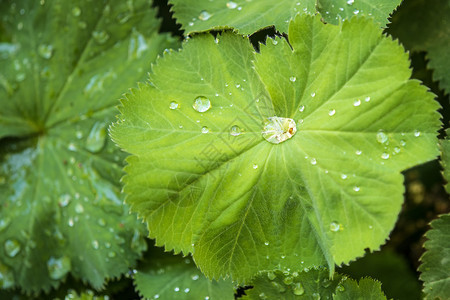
(61, 207)
(207, 182)
(435, 265)
(250, 16)
(367, 289)
(165, 276)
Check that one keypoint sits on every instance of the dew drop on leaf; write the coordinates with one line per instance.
(231, 5)
(96, 139)
(255, 166)
(100, 36)
(76, 11)
(416, 133)
(298, 289)
(334, 226)
(332, 112)
(293, 78)
(70, 222)
(288, 280)
(95, 244)
(262, 296)
(173, 105)
(313, 94)
(201, 104)
(4, 223)
(356, 188)
(58, 267)
(12, 247)
(358, 152)
(313, 161)
(382, 138)
(357, 103)
(301, 108)
(367, 99)
(101, 222)
(186, 290)
(195, 277)
(397, 150)
(277, 129)
(111, 254)
(79, 208)
(176, 289)
(350, 2)
(402, 143)
(343, 176)
(6, 277)
(271, 275)
(235, 130)
(205, 129)
(385, 155)
(204, 15)
(45, 51)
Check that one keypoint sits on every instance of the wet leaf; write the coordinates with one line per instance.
(367, 289)
(435, 265)
(215, 183)
(65, 65)
(250, 16)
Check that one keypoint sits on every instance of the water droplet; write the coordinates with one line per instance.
(277, 129)
(343, 176)
(173, 105)
(271, 275)
(96, 139)
(382, 138)
(79, 208)
(340, 288)
(298, 289)
(332, 112)
(288, 280)
(4, 223)
(195, 277)
(12, 247)
(201, 104)
(293, 78)
(58, 267)
(402, 143)
(76, 11)
(301, 108)
(350, 2)
(266, 243)
(70, 222)
(262, 296)
(95, 244)
(6, 277)
(177, 289)
(397, 150)
(356, 11)
(101, 222)
(367, 99)
(357, 102)
(356, 188)
(186, 290)
(255, 166)
(64, 200)
(45, 51)
(235, 130)
(231, 5)
(274, 42)
(416, 133)
(334, 226)
(205, 129)
(313, 94)
(313, 161)
(204, 15)
(111, 254)
(358, 152)
(385, 155)
(100, 36)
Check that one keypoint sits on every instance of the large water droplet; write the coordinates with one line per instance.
(6, 277)
(76, 11)
(204, 15)
(334, 226)
(231, 5)
(58, 267)
(235, 130)
(173, 105)
(277, 129)
(100, 36)
(96, 138)
(45, 51)
(298, 289)
(201, 104)
(12, 247)
(382, 138)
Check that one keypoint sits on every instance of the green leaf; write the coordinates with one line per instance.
(367, 289)
(308, 284)
(445, 159)
(207, 181)
(166, 276)
(61, 207)
(423, 25)
(435, 265)
(250, 16)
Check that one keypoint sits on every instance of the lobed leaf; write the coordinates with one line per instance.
(367, 289)
(435, 267)
(248, 16)
(63, 64)
(206, 180)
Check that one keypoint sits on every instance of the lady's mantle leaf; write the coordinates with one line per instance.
(61, 211)
(435, 266)
(207, 181)
(367, 289)
(166, 276)
(248, 16)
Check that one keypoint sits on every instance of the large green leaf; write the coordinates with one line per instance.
(435, 265)
(165, 276)
(248, 16)
(423, 25)
(207, 181)
(61, 207)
